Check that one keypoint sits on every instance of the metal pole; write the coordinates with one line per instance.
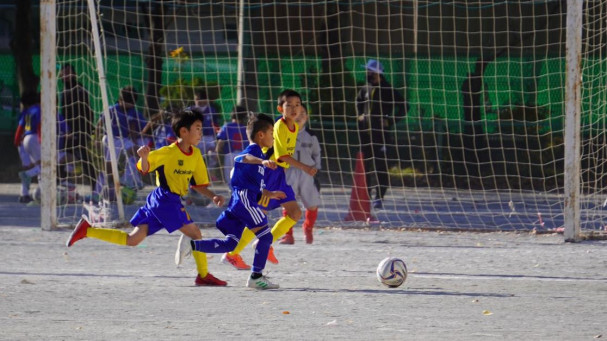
(48, 104)
(106, 107)
(572, 121)
(239, 75)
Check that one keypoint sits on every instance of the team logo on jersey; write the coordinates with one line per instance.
(180, 162)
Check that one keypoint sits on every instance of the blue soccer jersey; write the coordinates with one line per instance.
(123, 122)
(246, 175)
(211, 119)
(31, 120)
(236, 136)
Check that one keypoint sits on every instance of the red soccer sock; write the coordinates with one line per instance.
(310, 219)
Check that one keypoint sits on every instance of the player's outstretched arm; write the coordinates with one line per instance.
(310, 170)
(143, 153)
(247, 158)
(218, 200)
(273, 194)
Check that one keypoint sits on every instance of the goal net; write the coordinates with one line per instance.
(470, 137)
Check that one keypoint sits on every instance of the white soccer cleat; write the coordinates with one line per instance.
(261, 283)
(184, 249)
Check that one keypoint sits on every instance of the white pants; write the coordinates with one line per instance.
(303, 186)
(32, 148)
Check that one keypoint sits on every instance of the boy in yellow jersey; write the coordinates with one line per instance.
(178, 167)
(285, 137)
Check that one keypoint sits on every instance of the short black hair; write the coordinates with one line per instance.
(239, 113)
(128, 94)
(257, 123)
(184, 119)
(282, 98)
(30, 98)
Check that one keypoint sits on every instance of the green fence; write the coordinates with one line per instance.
(432, 84)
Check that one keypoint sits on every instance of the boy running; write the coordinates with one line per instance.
(285, 137)
(177, 166)
(247, 184)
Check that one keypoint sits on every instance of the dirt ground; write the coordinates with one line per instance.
(461, 286)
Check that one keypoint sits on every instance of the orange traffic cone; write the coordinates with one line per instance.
(360, 203)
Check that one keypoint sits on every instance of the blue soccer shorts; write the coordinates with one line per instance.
(162, 210)
(242, 212)
(276, 180)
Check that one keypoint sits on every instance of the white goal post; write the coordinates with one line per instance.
(505, 101)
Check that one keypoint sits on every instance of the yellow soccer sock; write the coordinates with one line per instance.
(282, 226)
(245, 239)
(108, 235)
(201, 263)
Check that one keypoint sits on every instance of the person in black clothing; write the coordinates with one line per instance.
(75, 106)
(378, 107)
(475, 142)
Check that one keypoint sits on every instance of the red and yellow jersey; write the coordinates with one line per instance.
(284, 142)
(176, 170)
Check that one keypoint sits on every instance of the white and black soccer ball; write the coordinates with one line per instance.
(62, 196)
(392, 272)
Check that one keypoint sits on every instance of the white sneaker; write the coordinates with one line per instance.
(261, 283)
(184, 249)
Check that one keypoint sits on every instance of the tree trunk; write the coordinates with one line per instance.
(157, 23)
(21, 45)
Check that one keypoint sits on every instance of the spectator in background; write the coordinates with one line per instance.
(232, 139)
(27, 141)
(210, 126)
(160, 128)
(75, 107)
(378, 107)
(126, 124)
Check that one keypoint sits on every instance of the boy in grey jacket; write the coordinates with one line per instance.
(307, 151)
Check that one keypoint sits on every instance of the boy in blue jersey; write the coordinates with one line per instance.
(247, 184)
(178, 167)
(27, 141)
(285, 137)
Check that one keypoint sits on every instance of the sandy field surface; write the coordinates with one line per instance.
(461, 286)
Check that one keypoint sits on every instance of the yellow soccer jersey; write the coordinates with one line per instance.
(177, 170)
(284, 142)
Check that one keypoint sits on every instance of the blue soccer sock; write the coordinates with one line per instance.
(215, 245)
(261, 250)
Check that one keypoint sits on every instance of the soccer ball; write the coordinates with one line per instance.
(392, 272)
(62, 196)
(129, 195)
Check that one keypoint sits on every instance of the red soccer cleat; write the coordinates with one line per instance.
(235, 260)
(271, 257)
(287, 239)
(309, 235)
(209, 280)
(79, 232)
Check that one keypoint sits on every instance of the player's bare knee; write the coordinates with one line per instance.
(294, 214)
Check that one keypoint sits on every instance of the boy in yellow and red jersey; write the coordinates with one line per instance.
(178, 167)
(285, 138)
